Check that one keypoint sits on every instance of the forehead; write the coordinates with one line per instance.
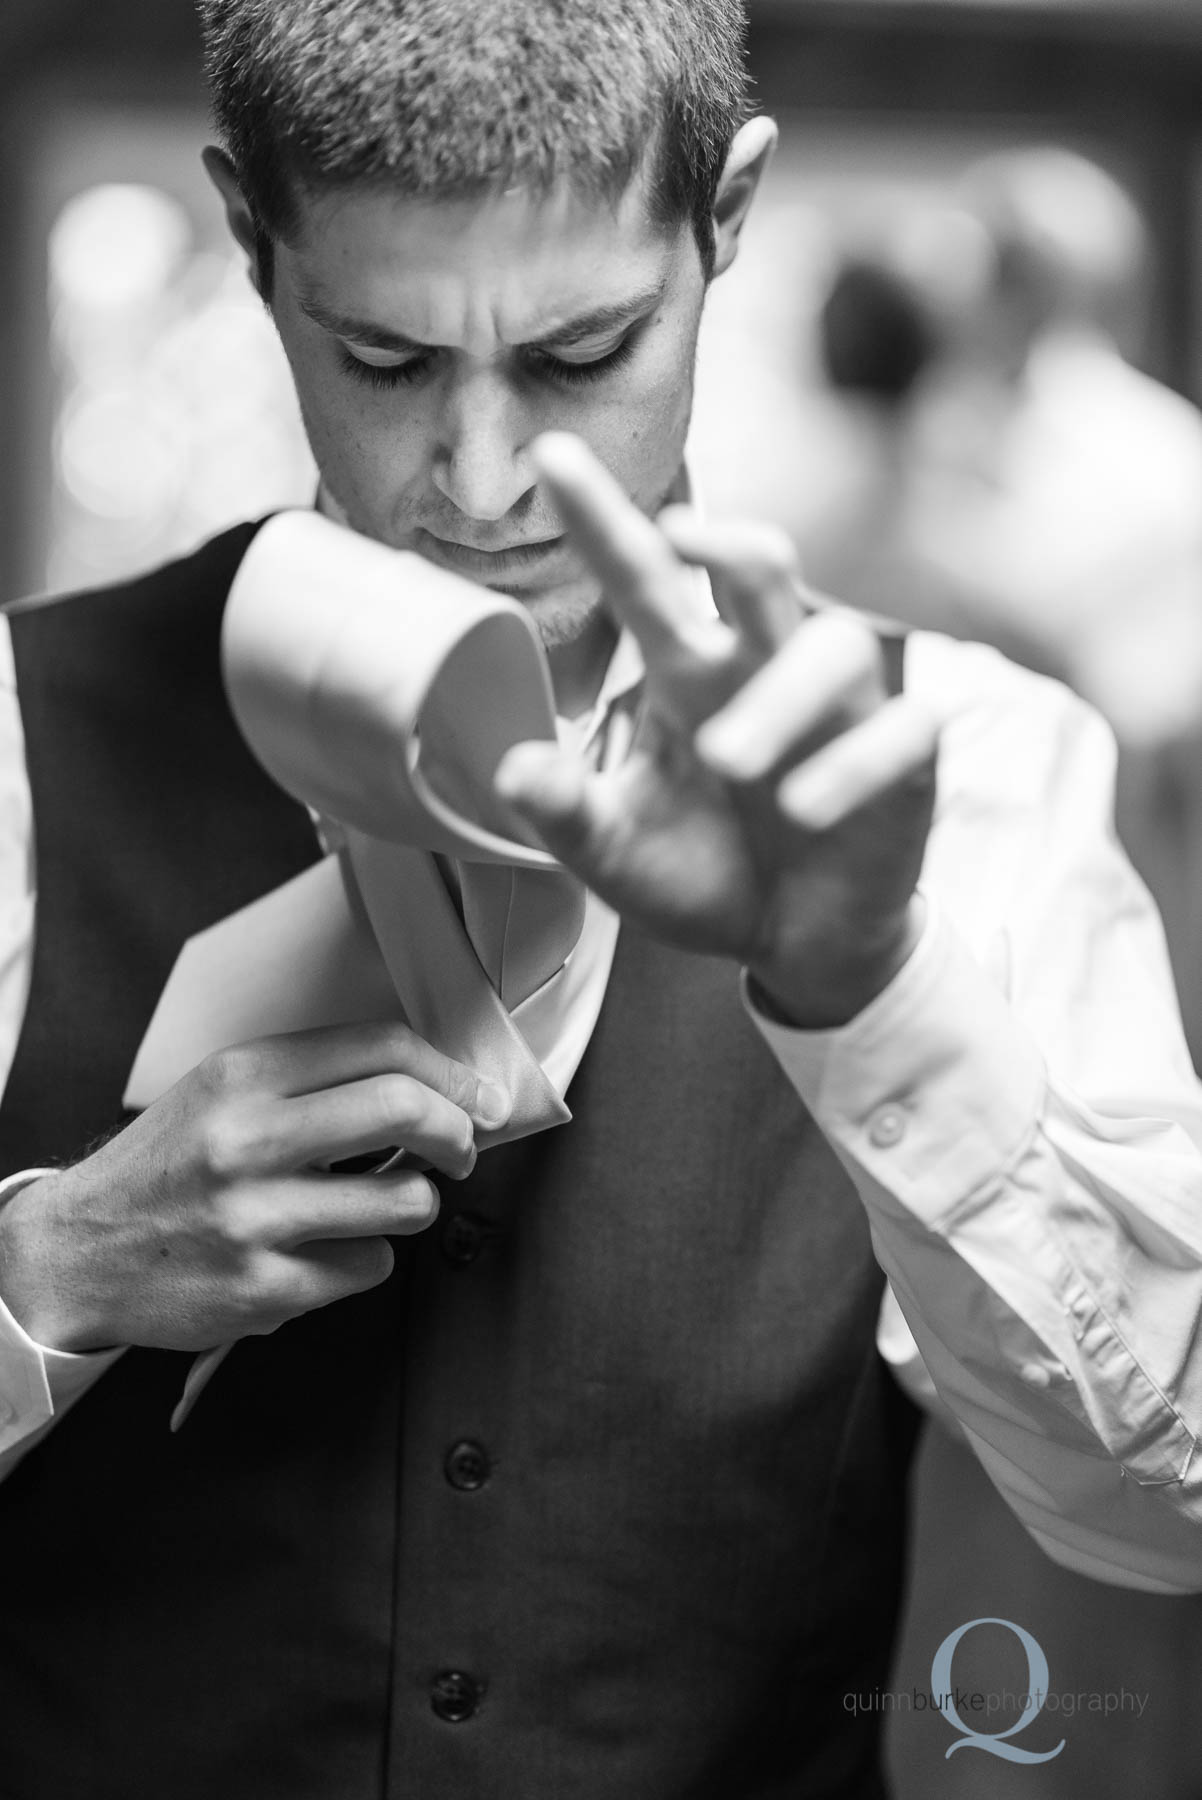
(473, 272)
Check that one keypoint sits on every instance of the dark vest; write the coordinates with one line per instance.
(600, 1495)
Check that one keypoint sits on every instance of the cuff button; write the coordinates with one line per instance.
(887, 1127)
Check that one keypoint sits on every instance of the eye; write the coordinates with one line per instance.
(384, 375)
(387, 376)
(579, 374)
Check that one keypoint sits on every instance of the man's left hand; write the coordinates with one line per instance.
(776, 803)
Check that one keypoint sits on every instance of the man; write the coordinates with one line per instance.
(596, 1486)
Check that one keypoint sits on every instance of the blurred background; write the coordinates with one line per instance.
(958, 359)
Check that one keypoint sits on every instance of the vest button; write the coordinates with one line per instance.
(455, 1696)
(467, 1467)
(462, 1239)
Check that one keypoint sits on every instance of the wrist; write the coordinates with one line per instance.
(822, 992)
(34, 1284)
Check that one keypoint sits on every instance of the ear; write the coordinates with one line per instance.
(239, 217)
(750, 154)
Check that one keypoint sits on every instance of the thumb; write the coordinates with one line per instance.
(549, 787)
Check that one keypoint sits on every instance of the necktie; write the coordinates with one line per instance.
(381, 692)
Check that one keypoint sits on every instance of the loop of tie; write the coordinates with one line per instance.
(381, 693)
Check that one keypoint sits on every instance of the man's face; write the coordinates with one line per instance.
(432, 341)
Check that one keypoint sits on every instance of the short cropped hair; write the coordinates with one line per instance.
(453, 98)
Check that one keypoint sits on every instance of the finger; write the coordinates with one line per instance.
(644, 581)
(894, 745)
(301, 1280)
(366, 1115)
(316, 1208)
(305, 1062)
(753, 573)
(552, 789)
(828, 673)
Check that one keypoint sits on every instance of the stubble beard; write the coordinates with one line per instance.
(562, 616)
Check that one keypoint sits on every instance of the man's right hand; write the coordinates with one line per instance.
(211, 1216)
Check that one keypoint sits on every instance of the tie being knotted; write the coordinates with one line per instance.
(382, 693)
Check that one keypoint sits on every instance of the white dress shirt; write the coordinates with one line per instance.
(1017, 1111)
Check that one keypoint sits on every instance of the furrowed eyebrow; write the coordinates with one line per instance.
(601, 319)
(358, 331)
(594, 323)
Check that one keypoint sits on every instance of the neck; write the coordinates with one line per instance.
(578, 666)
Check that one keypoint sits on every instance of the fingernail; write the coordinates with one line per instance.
(493, 1105)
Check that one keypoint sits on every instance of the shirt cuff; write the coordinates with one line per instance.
(38, 1384)
(933, 1090)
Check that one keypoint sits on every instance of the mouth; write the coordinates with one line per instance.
(511, 564)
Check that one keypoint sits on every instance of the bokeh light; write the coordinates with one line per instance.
(174, 413)
(117, 246)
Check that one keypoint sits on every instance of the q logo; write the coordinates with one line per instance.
(995, 1742)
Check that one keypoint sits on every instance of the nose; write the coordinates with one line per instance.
(480, 463)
